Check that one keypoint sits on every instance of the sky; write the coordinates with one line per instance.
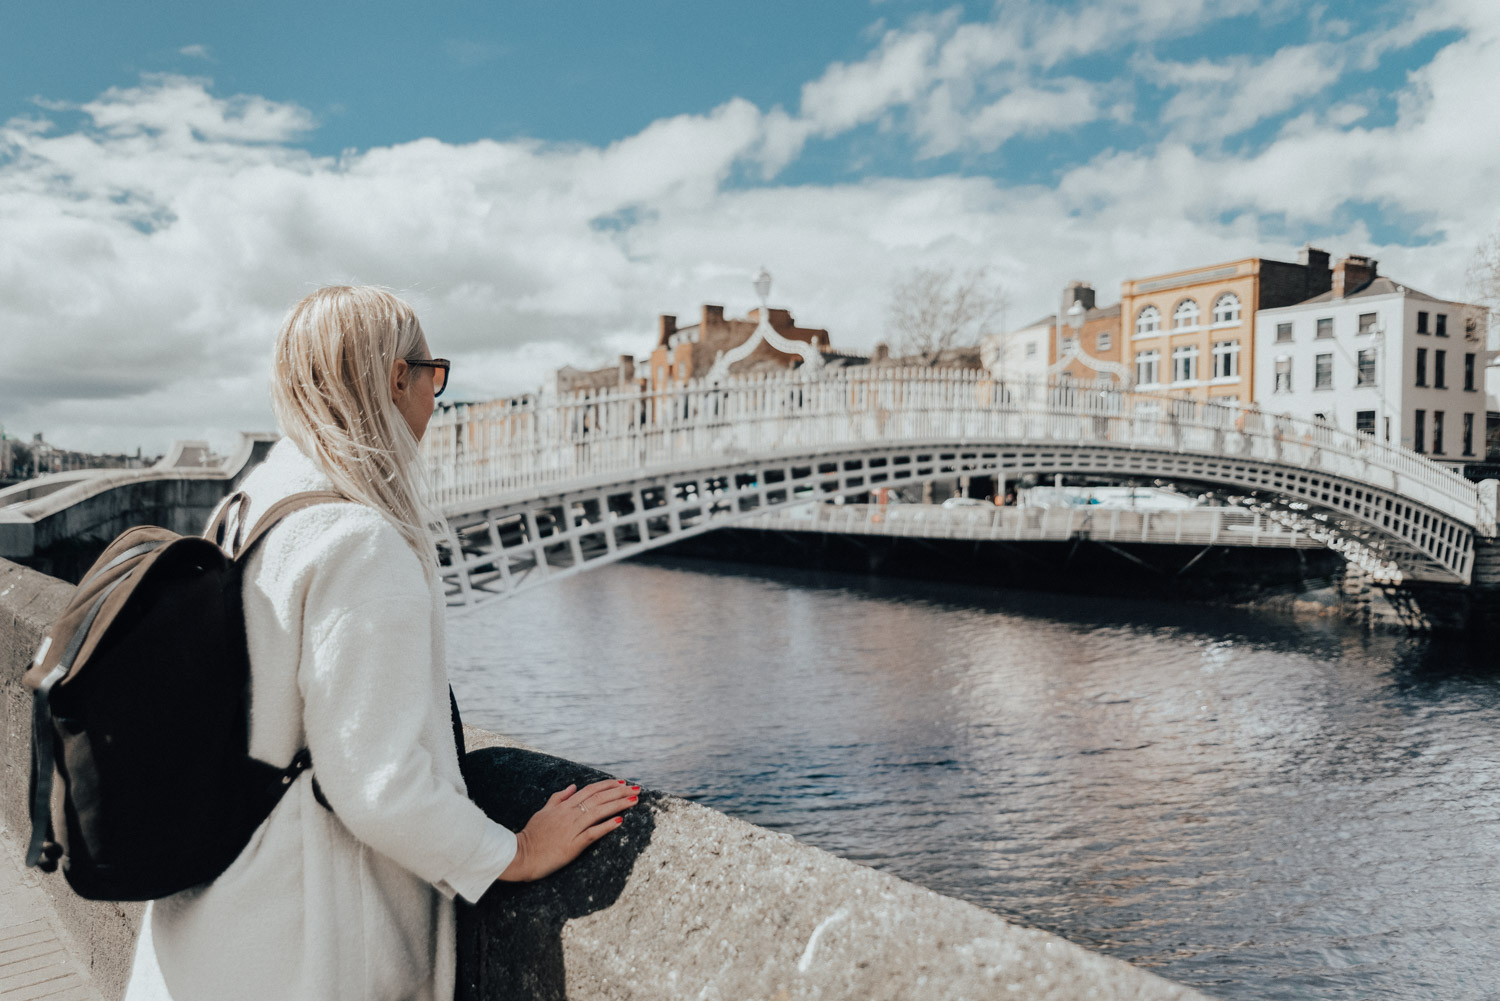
(542, 179)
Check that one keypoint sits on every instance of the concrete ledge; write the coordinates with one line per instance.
(683, 902)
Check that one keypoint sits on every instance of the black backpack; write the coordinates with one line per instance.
(141, 777)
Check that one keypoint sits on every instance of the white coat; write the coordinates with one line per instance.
(346, 653)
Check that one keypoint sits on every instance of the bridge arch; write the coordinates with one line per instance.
(534, 492)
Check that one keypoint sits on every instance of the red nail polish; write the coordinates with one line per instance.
(635, 788)
(619, 820)
(633, 799)
(621, 781)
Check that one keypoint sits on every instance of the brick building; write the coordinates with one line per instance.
(570, 381)
(683, 353)
(1095, 350)
(1191, 331)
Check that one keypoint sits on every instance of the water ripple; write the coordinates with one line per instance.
(1256, 808)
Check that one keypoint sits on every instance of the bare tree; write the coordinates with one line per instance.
(937, 308)
(1484, 274)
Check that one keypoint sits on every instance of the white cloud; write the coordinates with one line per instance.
(150, 255)
(196, 52)
(847, 95)
(1224, 98)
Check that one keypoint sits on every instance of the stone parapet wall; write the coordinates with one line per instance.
(682, 902)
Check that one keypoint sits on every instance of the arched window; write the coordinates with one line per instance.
(1227, 308)
(1148, 320)
(1185, 315)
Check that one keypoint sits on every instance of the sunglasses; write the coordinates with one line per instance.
(440, 367)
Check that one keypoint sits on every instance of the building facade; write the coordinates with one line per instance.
(1191, 332)
(1375, 356)
(570, 381)
(1019, 355)
(684, 353)
(1094, 348)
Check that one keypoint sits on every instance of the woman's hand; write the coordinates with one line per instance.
(572, 820)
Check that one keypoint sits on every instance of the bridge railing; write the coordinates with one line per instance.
(480, 452)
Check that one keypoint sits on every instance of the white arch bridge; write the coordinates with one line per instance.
(537, 489)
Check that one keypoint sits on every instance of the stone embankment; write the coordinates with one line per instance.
(684, 902)
(60, 522)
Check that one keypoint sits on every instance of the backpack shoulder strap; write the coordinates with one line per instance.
(233, 506)
(282, 508)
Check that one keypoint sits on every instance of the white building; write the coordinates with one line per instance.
(1019, 355)
(1374, 356)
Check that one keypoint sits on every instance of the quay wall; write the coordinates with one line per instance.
(682, 902)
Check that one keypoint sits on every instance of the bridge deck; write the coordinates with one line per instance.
(1206, 526)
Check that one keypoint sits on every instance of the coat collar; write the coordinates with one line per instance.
(285, 471)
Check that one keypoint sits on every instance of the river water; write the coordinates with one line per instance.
(1256, 807)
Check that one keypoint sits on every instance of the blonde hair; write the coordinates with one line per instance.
(330, 392)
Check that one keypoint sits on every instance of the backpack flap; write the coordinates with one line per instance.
(95, 604)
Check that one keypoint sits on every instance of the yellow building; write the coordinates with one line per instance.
(1192, 332)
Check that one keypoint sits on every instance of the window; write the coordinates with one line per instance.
(1227, 308)
(1419, 432)
(1469, 371)
(1185, 315)
(1185, 363)
(1421, 323)
(1437, 432)
(1442, 324)
(1226, 359)
(1366, 369)
(1283, 332)
(1104, 340)
(1147, 321)
(1367, 323)
(1439, 369)
(1364, 422)
(1031, 349)
(1283, 375)
(1421, 366)
(1067, 345)
(1468, 434)
(1325, 327)
(1147, 367)
(1323, 371)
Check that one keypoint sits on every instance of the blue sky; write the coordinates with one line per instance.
(543, 178)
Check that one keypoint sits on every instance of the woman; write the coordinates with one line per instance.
(344, 618)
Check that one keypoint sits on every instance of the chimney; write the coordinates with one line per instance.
(666, 326)
(627, 369)
(882, 351)
(1079, 292)
(1313, 258)
(1351, 274)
